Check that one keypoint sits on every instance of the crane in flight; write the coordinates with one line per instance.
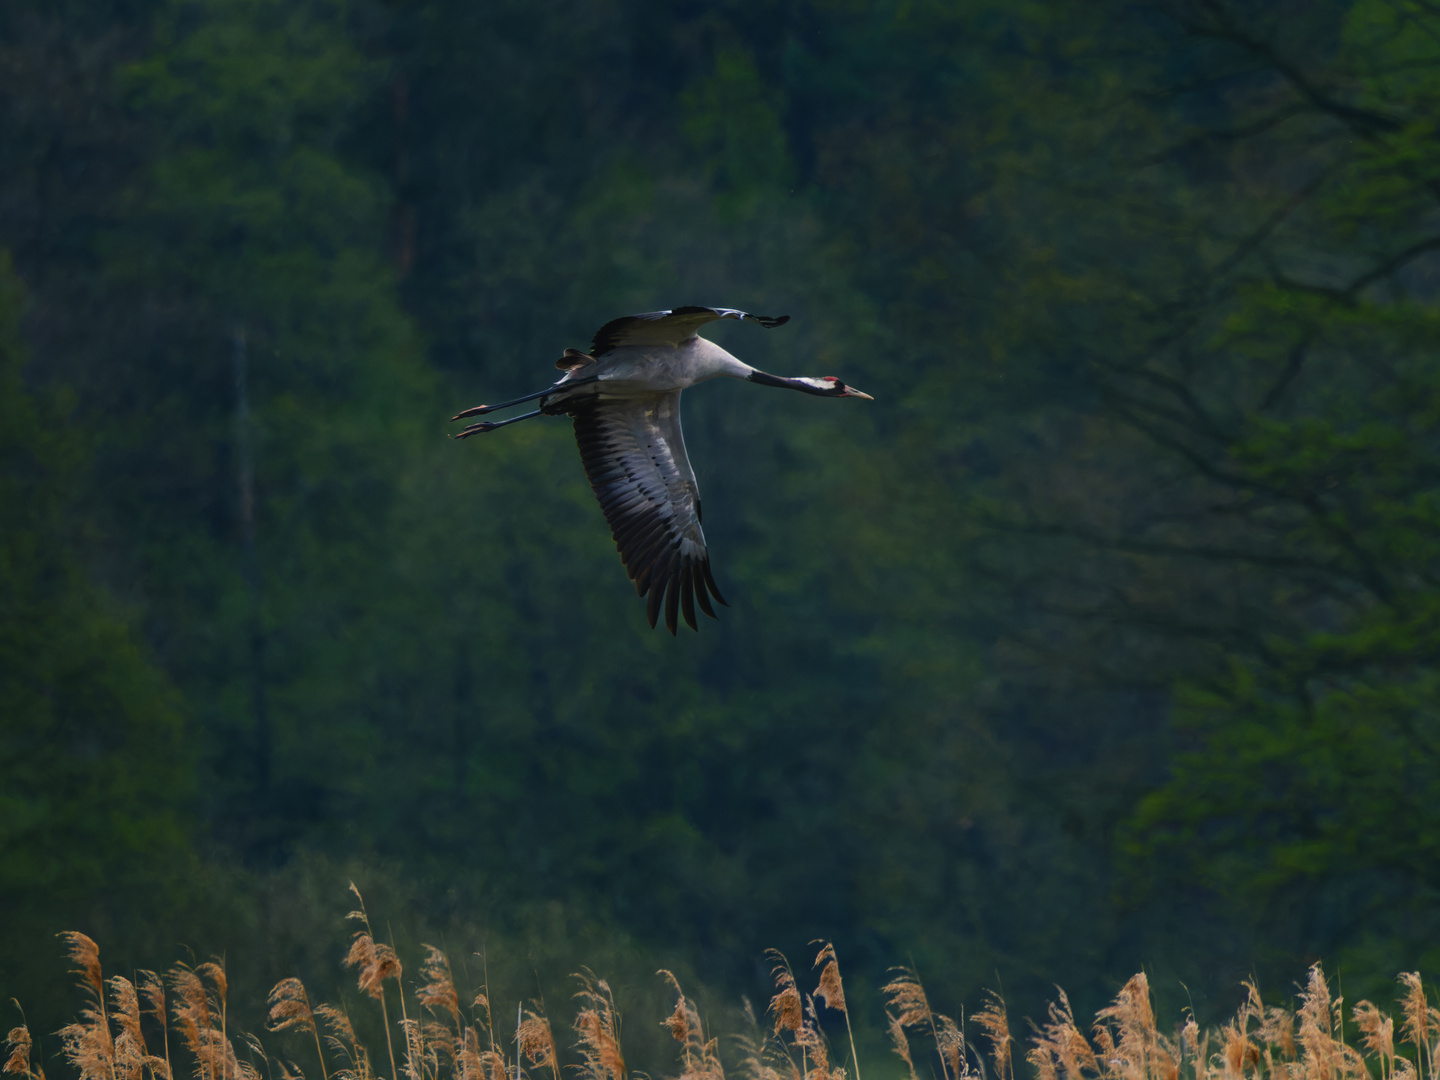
(624, 398)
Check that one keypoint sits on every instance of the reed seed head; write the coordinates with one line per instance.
(17, 1043)
(437, 991)
(996, 1025)
(85, 955)
(290, 1007)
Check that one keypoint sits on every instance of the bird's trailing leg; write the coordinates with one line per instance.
(491, 425)
(563, 384)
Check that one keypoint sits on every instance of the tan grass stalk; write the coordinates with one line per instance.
(537, 1043)
(1191, 1040)
(597, 1026)
(1277, 1026)
(200, 1018)
(376, 963)
(493, 1066)
(678, 1022)
(126, 1010)
(831, 990)
(1318, 1059)
(1422, 1021)
(813, 1046)
(152, 996)
(1058, 1048)
(341, 1038)
(214, 971)
(1238, 1052)
(131, 1055)
(88, 1043)
(950, 1041)
(192, 1015)
(85, 954)
(1323, 1053)
(900, 1044)
(414, 1049)
(702, 1060)
(753, 1063)
(440, 1043)
(1042, 1061)
(787, 1007)
(467, 1055)
(1135, 1042)
(253, 1045)
(1377, 1035)
(18, 1045)
(436, 991)
(482, 1000)
(710, 1058)
(907, 997)
(290, 1007)
(753, 1047)
(995, 1023)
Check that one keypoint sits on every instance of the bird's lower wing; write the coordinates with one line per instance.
(668, 327)
(634, 455)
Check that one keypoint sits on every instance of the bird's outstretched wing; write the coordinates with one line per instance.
(668, 327)
(635, 458)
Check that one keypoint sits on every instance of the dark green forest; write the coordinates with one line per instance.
(1106, 638)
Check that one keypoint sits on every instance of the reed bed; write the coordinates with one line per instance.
(163, 1026)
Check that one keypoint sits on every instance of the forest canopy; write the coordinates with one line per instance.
(1105, 638)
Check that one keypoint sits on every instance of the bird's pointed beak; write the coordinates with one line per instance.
(850, 391)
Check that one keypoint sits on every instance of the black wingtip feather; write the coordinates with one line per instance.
(710, 581)
(657, 571)
(702, 595)
(687, 596)
(672, 604)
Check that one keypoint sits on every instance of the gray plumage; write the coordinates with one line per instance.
(624, 399)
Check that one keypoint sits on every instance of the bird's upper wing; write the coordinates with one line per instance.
(635, 458)
(668, 327)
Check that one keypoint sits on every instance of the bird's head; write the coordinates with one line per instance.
(825, 386)
(830, 386)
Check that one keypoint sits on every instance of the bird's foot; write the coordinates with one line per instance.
(478, 410)
(477, 429)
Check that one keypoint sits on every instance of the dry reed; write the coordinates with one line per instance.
(994, 1021)
(17, 1051)
(831, 990)
(290, 1008)
(107, 1040)
(437, 992)
(597, 1030)
(908, 1006)
(376, 963)
(701, 1056)
(536, 1042)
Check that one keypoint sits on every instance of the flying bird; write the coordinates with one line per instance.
(624, 398)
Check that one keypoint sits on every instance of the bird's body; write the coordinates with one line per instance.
(636, 371)
(624, 399)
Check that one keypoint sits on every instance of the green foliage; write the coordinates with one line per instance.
(94, 770)
(1146, 301)
(735, 127)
